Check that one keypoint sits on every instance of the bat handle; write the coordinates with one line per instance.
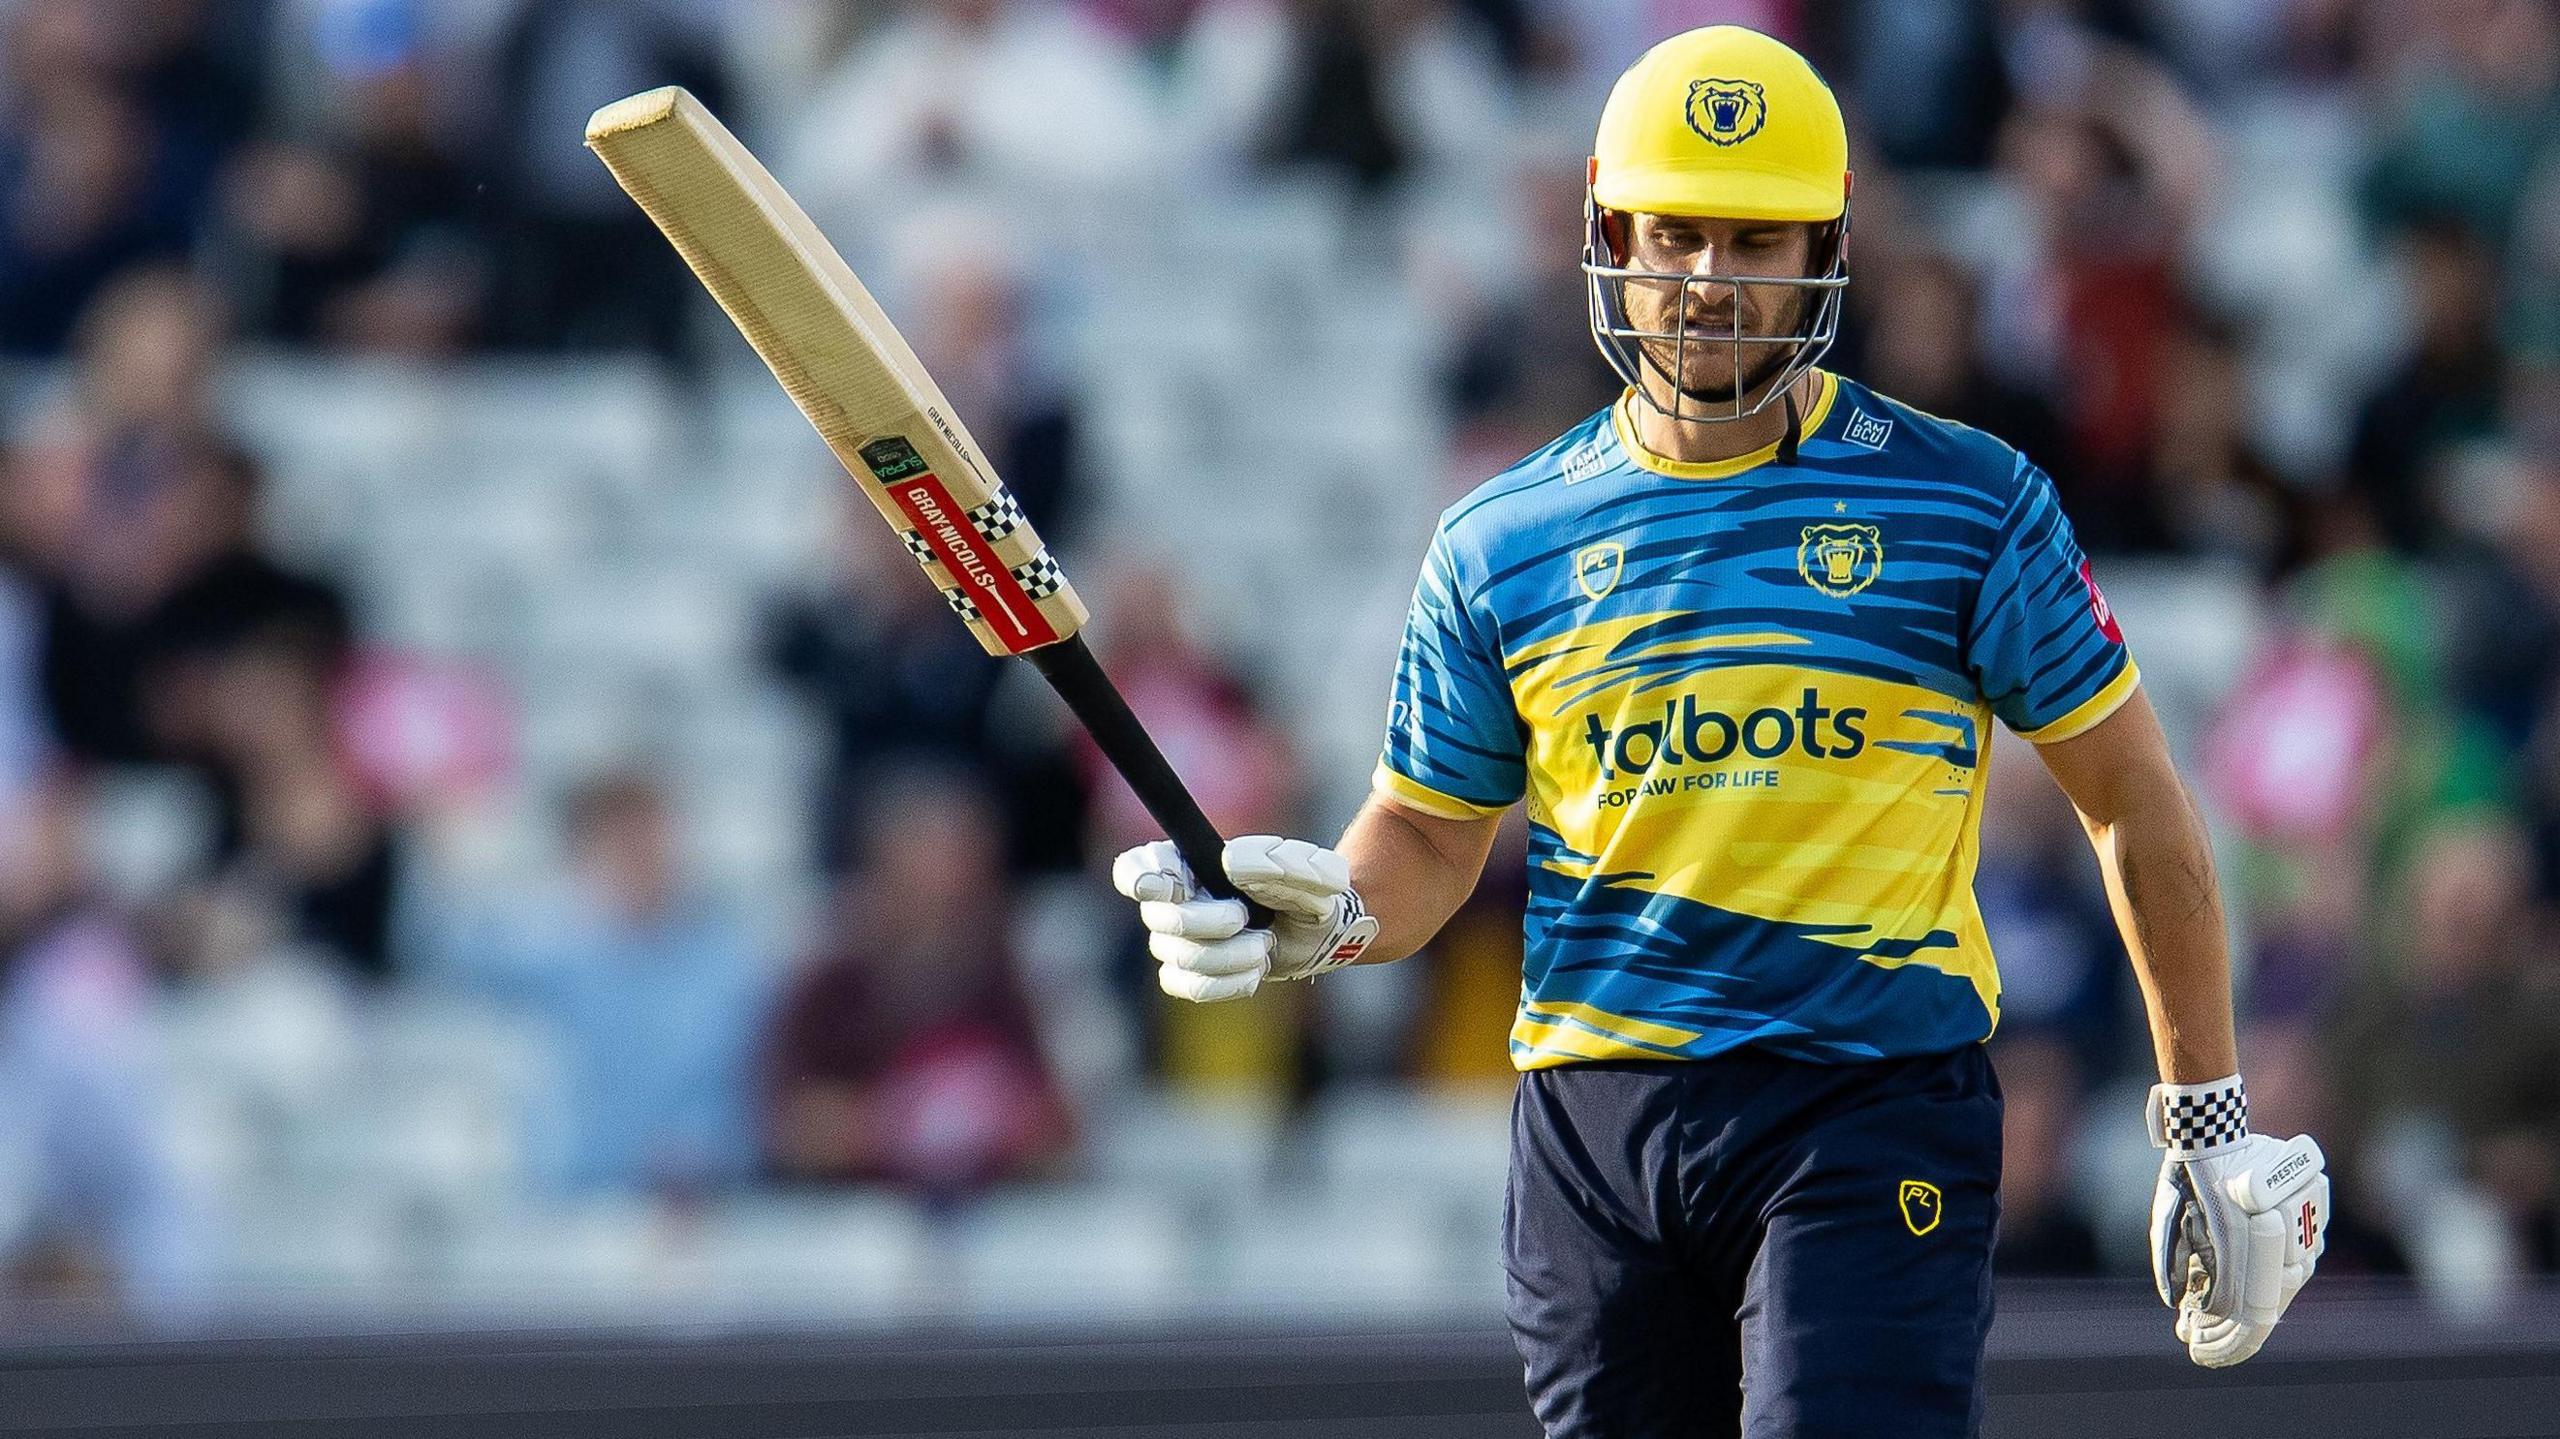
(1071, 670)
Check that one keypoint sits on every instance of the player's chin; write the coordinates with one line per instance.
(1719, 394)
(1708, 390)
(1718, 385)
(1703, 377)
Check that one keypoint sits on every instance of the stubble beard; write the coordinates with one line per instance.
(1762, 359)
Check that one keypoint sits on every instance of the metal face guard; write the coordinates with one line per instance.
(1623, 344)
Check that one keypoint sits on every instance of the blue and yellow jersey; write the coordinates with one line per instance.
(1749, 706)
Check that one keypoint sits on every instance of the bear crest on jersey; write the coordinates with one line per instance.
(1840, 560)
(1726, 112)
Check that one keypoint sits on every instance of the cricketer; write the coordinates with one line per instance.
(1737, 642)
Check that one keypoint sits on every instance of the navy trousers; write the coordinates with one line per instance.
(1753, 1245)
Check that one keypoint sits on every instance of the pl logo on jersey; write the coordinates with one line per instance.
(1597, 567)
(1922, 1205)
(1840, 560)
(1726, 112)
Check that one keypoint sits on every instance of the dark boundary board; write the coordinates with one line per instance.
(2069, 1363)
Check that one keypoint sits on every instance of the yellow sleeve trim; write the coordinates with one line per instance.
(2086, 715)
(1424, 798)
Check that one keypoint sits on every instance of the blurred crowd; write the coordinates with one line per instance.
(2271, 287)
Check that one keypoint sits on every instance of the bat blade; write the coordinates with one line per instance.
(860, 384)
(842, 362)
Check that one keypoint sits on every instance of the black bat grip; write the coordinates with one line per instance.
(1071, 670)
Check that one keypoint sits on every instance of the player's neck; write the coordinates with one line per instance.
(1704, 442)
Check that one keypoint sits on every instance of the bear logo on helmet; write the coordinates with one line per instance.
(1726, 112)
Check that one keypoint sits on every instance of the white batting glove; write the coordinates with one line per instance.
(2238, 1221)
(1204, 951)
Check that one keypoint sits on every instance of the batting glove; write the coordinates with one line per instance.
(1203, 949)
(2238, 1221)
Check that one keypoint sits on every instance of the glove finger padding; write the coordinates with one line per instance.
(1292, 876)
(2263, 1294)
(2219, 1343)
(1204, 946)
(1193, 919)
(1234, 954)
(1207, 988)
(2236, 1235)
(2282, 1260)
(2260, 1180)
(2259, 1297)
(1152, 873)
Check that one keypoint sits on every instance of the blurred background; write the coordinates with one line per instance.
(494, 840)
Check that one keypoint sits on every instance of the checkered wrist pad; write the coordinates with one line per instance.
(2194, 1120)
(1350, 936)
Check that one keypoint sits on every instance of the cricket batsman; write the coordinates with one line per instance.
(1737, 642)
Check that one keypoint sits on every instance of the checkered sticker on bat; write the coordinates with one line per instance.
(998, 517)
(1040, 576)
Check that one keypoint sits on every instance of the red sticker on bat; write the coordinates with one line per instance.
(969, 559)
(2098, 605)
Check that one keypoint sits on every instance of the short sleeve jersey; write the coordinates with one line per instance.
(1749, 706)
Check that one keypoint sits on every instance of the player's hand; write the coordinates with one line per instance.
(2238, 1221)
(1204, 951)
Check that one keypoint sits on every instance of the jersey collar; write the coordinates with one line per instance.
(1826, 388)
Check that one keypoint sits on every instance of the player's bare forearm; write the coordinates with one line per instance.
(1413, 870)
(2158, 862)
(2159, 869)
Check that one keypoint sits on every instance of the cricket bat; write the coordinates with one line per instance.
(859, 383)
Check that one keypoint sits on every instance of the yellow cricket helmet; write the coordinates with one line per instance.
(1724, 123)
